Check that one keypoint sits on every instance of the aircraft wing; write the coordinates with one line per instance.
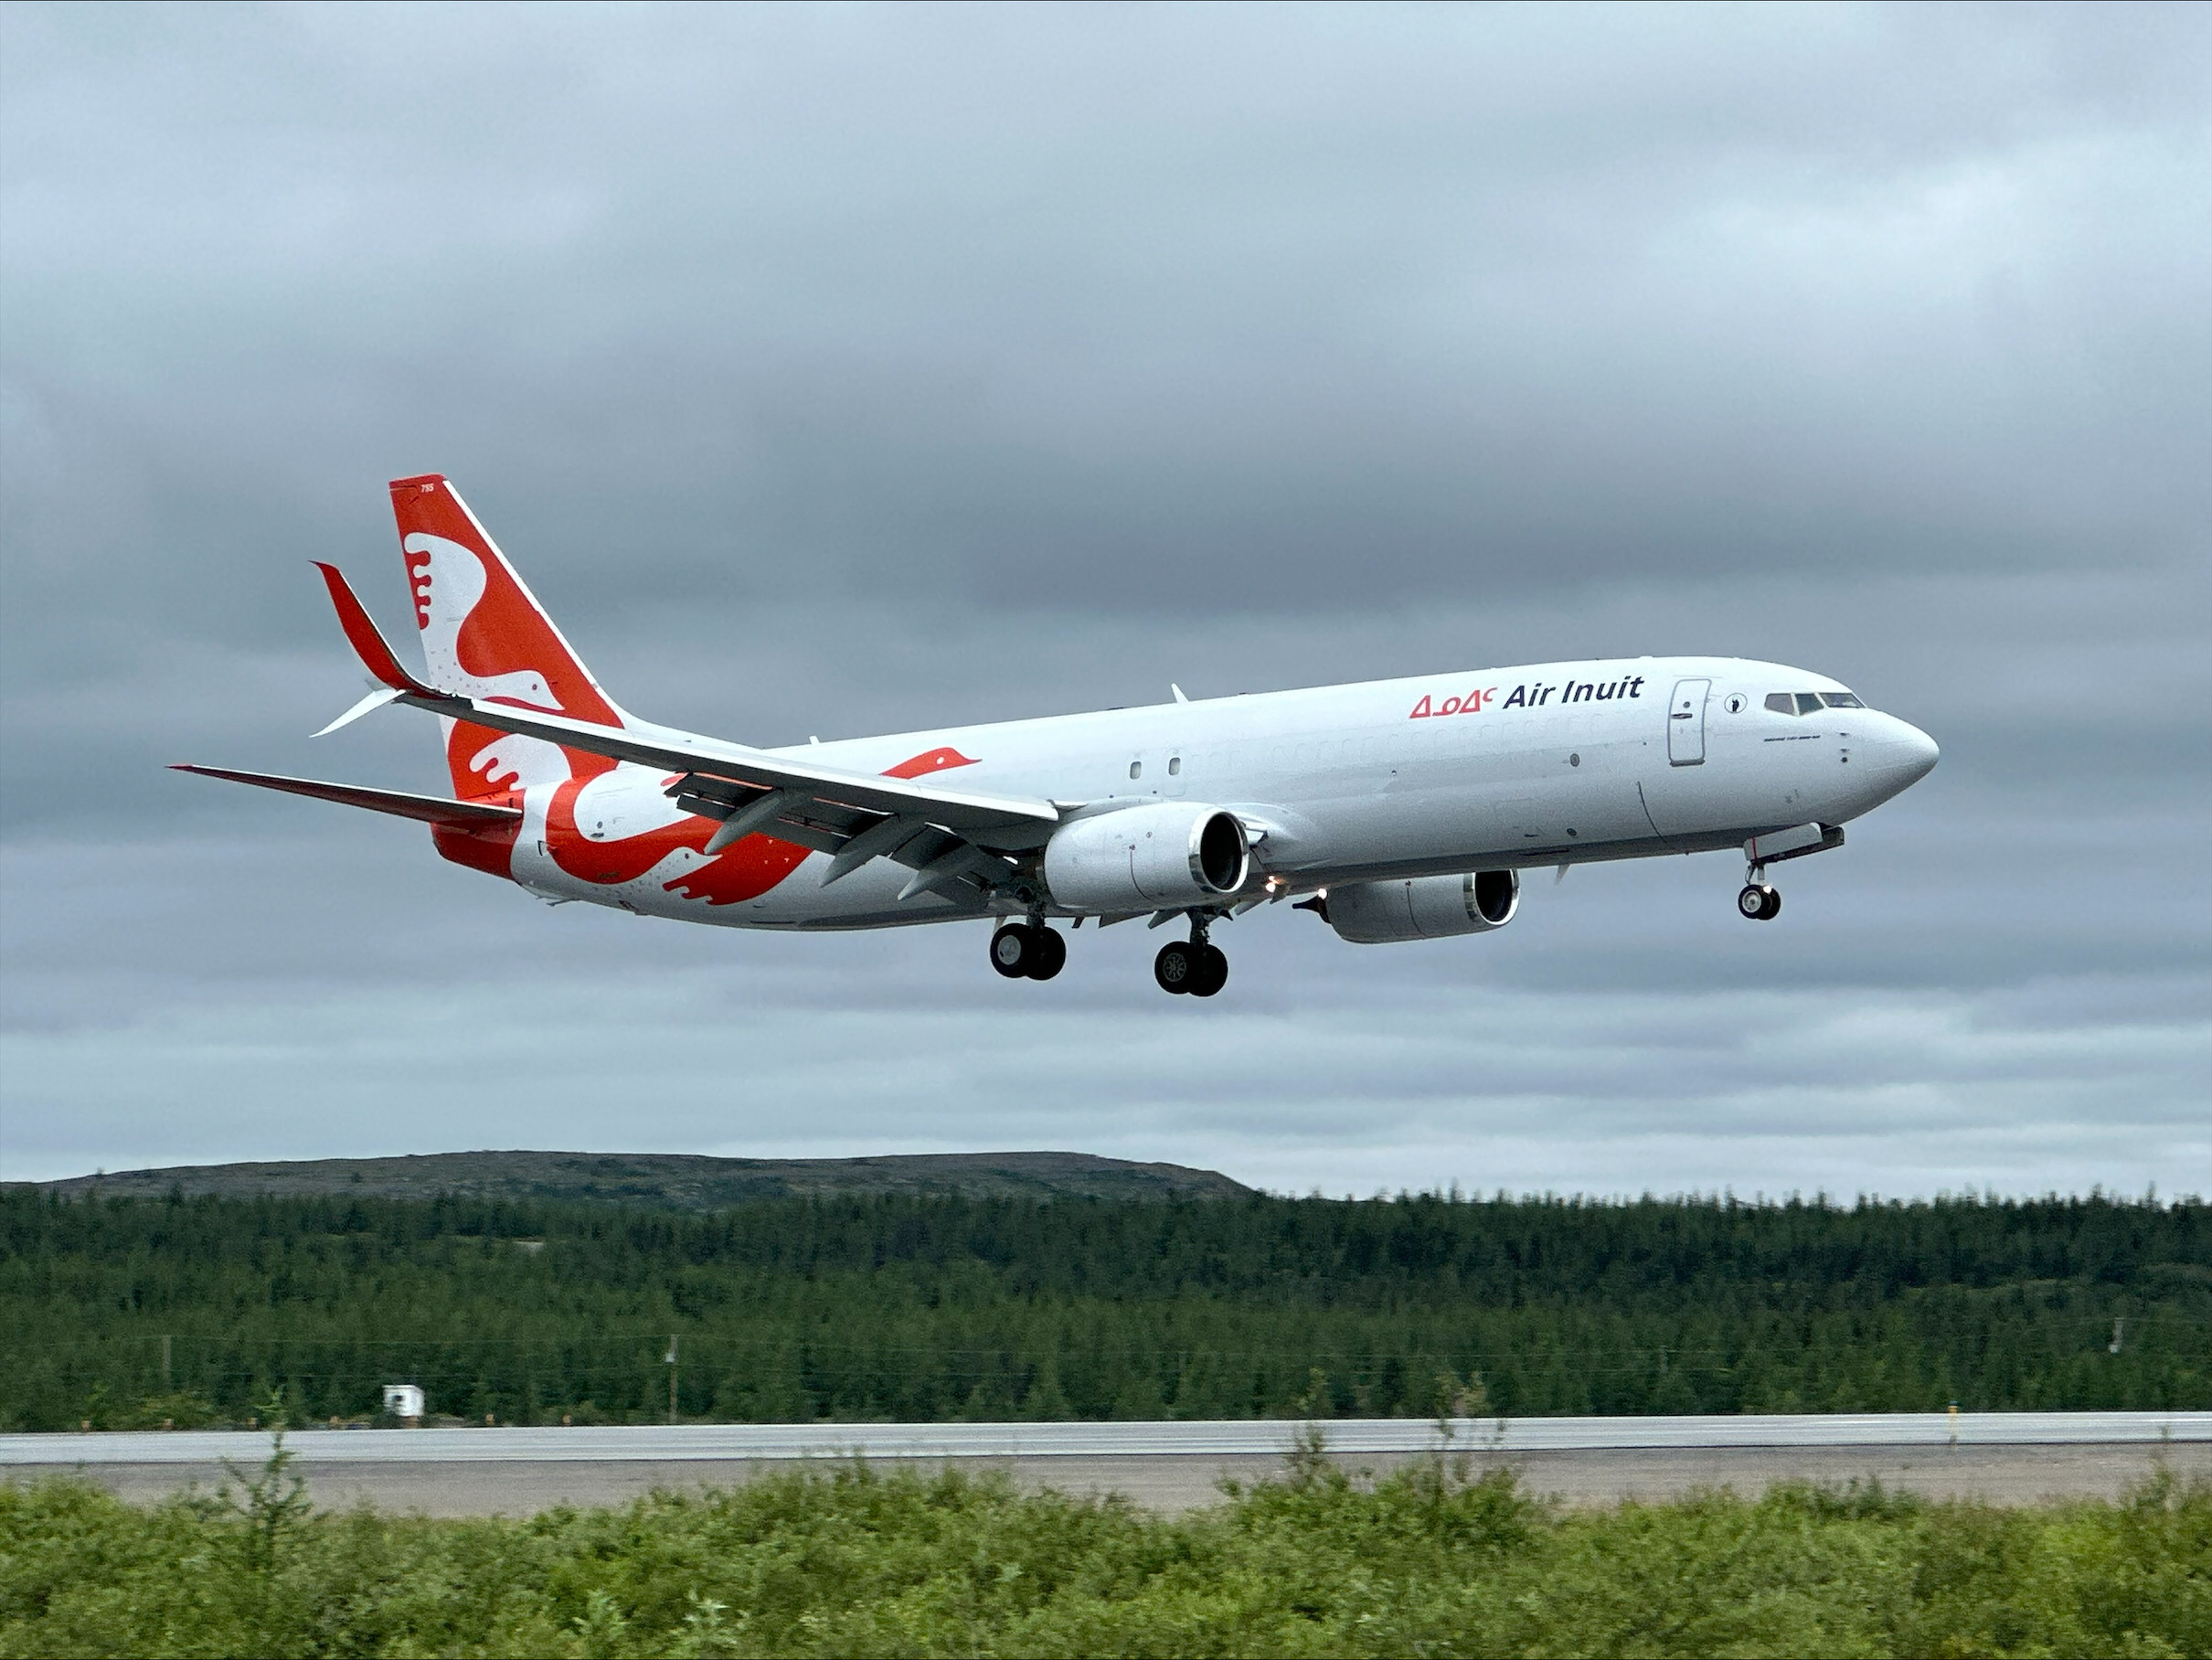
(749, 789)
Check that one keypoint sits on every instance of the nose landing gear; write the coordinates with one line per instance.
(1028, 950)
(1759, 901)
(1198, 969)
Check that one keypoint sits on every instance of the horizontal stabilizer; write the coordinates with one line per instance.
(428, 809)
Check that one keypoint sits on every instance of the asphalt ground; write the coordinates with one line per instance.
(2005, 1458)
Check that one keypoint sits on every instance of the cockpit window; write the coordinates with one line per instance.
(1810, 703)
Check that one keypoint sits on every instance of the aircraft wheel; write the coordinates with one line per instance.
(1014, 950)
(1759, 903)
(1049, 952)
(1175, 967)
(1212, 971)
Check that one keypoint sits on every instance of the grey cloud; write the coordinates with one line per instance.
(1798, 1091)
(847, 370)
(929, 302)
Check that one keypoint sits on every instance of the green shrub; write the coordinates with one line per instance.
(850, 1560)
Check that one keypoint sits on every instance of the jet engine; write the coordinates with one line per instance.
(1135, 858)
(1425, 908)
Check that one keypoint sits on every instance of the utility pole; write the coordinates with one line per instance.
(671, 1358)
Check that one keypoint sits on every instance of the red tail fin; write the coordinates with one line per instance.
(485, 635)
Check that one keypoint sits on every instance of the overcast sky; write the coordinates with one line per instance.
(856, 370)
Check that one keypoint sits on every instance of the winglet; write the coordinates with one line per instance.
(367, 643)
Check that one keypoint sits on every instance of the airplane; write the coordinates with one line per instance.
(1393, 809)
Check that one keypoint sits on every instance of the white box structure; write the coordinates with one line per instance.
(403, 1400)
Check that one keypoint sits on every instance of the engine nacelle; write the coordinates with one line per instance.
(1171, 853)
(1425, 908)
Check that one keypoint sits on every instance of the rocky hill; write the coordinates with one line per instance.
(683, 1181)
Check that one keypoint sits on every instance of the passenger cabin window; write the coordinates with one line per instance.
(1175, 766)
(1136, 768)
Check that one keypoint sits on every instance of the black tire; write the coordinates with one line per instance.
(1751, 903)
(1014, 950)
(1772, 908)
(1050, 952)
(1175, 967)
(1213, 972)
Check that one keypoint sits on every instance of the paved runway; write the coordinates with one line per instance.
(1213, 1438)
(2004, 1456)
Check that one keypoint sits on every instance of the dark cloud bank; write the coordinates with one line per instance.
(854, 369)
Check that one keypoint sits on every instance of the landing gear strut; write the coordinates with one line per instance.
(1199, 968)
(1028, 950)
(1759, 902)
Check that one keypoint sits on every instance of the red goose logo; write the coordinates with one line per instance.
(743, 870)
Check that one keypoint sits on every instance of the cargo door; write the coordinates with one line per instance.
(1686, 723)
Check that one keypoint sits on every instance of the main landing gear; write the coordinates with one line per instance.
(1028, 950)
(1199, 968)
(1759, 902)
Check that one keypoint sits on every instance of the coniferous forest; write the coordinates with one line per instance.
(194, 1311)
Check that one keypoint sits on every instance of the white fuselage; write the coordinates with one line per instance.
(1547, 764)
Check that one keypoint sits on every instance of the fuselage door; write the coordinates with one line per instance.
(1686, 723)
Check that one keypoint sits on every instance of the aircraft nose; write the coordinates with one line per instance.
(1915, 752)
